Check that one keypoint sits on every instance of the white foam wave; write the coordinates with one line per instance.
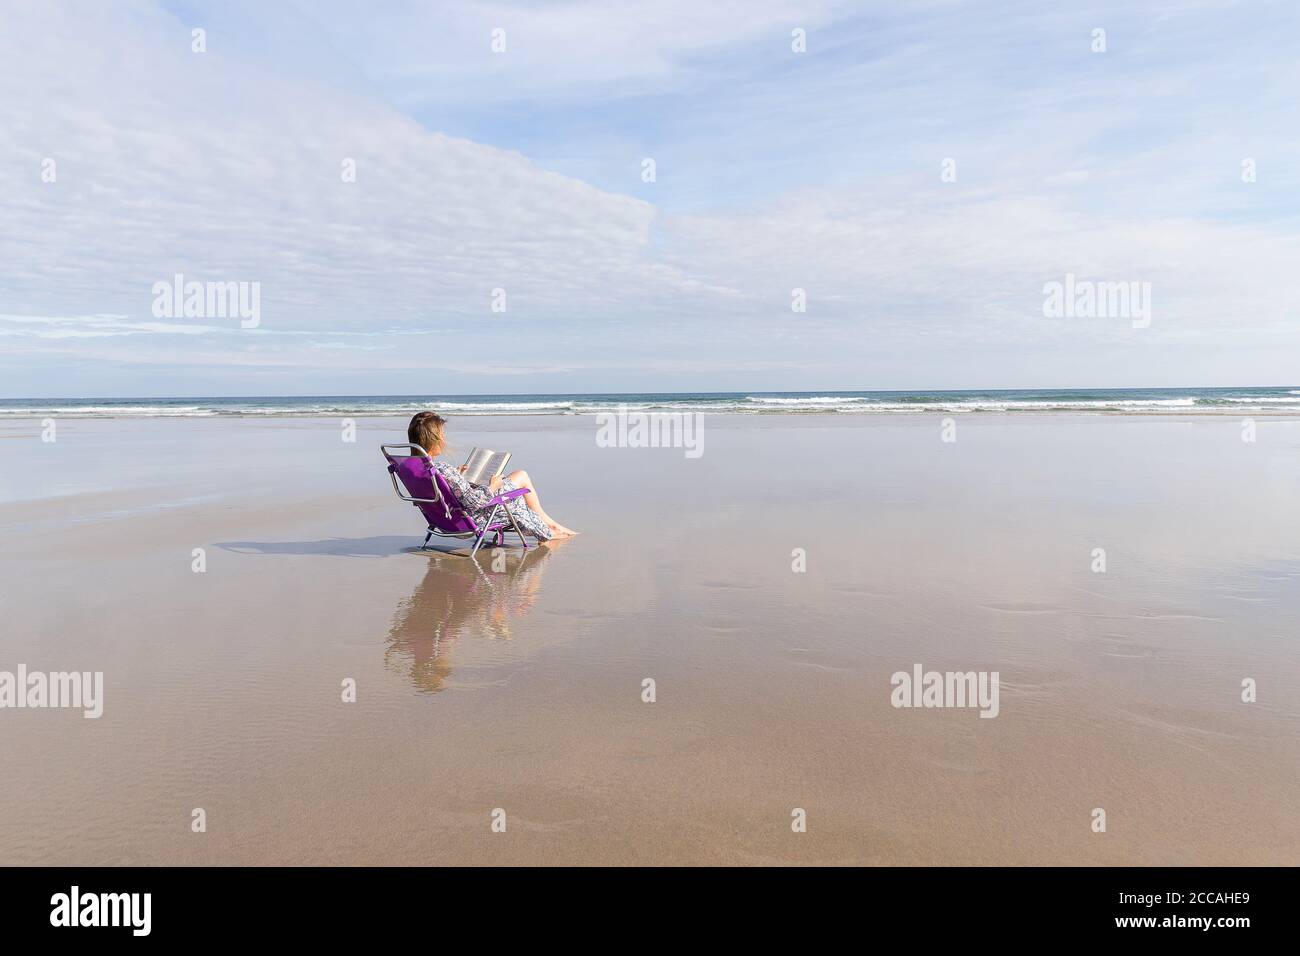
(1262, 400)
(140, 411)
(815, 400)
(751, 405)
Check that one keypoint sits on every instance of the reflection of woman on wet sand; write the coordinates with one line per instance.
(461, 595)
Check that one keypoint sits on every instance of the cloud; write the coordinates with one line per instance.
(92, 327)
(424, 53)
(224, 171)
(777, 171)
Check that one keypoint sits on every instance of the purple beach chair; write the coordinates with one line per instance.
(447, 518)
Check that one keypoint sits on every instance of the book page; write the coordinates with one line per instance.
(484, 464)
(495, 465)
(478, 457)
(473, 464)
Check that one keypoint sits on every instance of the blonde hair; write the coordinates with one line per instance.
(426, 430)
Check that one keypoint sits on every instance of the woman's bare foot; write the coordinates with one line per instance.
(560, 531)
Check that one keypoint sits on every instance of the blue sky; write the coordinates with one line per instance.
(521, 170)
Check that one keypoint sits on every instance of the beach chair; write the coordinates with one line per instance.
(423, 487)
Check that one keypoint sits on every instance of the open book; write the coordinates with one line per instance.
(484, 464)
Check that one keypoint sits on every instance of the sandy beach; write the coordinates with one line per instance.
(516, 682)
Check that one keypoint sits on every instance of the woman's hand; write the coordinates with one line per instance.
(462, 468)
(494, 484)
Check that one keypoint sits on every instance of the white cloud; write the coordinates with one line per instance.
(226, 166)
(92, 327)
(556, 49)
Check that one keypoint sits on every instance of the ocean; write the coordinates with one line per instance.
(1274, 399)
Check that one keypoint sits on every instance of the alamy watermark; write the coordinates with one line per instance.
(628, 429)
(1085, 299)
(946, 689)
(66, 689)
(208, 300)
(75, 908)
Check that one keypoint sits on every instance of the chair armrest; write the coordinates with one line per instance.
(509, 496)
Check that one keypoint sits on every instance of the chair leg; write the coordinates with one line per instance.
(426, 541)
(518, 530)
(478, 543)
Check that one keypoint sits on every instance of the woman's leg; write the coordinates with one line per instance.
(522, 480)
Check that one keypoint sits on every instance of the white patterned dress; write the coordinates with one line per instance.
(475, 500)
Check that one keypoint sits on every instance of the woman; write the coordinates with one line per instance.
(426, 430)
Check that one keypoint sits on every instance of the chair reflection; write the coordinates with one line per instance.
(482, 596)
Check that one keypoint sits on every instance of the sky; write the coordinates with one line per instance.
(920, 171)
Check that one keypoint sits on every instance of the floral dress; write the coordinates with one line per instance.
(475, 500)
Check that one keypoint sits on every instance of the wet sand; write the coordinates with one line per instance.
(519, 686)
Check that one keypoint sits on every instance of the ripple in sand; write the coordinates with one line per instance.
(871, 592)
(1027, 607)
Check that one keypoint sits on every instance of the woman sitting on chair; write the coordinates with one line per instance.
(426, 430)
